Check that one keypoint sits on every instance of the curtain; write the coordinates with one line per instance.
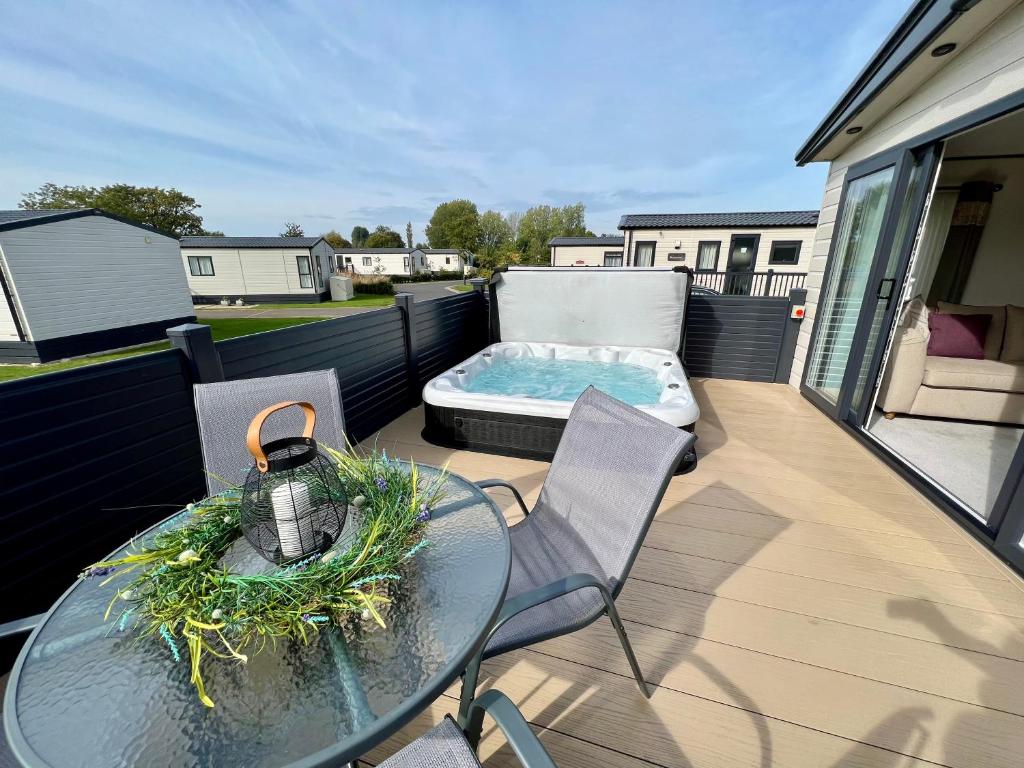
(933, 238)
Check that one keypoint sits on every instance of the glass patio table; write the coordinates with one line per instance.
(83, 694)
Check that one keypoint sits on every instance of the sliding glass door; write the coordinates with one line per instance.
(863, 209)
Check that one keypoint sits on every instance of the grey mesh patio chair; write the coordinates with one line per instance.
(226, 408)
(572, 552)
(445, 746)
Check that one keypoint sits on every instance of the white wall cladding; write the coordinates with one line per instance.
(8, 329)
(991, 67)
(591, 255)
(92, 273)
(689, 239)
(253, 271)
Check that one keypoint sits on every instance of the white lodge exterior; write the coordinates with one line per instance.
(257, 269)
(605, 251)
(720, 242)
(81, 281)
(381, 261)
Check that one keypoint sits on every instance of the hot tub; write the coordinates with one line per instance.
(513, 398)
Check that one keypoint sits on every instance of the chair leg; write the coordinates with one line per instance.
(620, 630)
(469, 681)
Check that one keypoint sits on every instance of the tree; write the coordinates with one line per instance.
(359, 235)
(503, 255)
(494, 233)
(291, 229)
(408, 235)
(336, 241)
(513, 219)
(455, 224)
(165, 209)
(384, 237)
(542, 222)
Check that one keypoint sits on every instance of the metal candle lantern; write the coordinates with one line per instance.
(293, 502)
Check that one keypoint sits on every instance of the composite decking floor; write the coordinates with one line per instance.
(794, 604)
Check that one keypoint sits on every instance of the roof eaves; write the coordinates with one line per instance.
(925, 20)
(64, 215)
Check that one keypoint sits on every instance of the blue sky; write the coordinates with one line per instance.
(336, 114)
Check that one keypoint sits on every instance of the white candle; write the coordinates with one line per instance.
(290, 500)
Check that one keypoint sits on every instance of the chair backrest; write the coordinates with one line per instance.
(608, 477)
(226, 408)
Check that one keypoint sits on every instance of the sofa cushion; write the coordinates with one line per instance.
(994, 337)
(957, 335)
(1013, 341)
(962, 373)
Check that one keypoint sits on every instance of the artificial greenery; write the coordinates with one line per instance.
(182, 591)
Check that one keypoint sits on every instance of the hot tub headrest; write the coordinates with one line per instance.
(625, 307)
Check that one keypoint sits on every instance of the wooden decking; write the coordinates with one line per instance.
(795, 604)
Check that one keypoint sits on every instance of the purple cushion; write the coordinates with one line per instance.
(957, 335)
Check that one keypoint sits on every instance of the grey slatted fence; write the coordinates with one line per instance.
(448, 331)
(740, 337)
(368, 350)
(84, 451)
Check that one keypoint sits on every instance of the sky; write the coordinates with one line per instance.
(336, 114)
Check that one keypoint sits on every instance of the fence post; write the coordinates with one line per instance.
(196, 341)
(768, 282)
(478, 284)
(404, 302)
(790, 333)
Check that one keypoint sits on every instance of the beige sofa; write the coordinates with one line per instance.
(919, 384)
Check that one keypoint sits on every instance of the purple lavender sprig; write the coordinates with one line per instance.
(381, 483)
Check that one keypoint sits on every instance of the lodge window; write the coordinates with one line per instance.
(200, 266)
(613, 258)
(367, 261)
(707, 255)
(305, 274)
(785, 252)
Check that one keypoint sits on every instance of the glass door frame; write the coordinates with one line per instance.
(901, 160)
(928, 158)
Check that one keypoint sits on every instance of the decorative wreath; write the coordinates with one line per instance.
(184, 591)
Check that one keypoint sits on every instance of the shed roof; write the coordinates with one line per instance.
(594, 240)
(32, 218)
(203, 241)
(719, 220)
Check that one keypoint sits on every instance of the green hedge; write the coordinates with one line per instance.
(426, 277)
(383, 287)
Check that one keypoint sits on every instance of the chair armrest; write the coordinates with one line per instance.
(495, 483)
(510, 720)
(540, 595)
(904, 372)
(18, 626)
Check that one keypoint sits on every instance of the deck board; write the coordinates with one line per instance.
(796, 603)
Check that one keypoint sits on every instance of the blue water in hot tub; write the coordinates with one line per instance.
(548, 379)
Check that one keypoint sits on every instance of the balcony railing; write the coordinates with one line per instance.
(770, 283)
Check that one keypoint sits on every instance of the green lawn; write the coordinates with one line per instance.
(359, 300)
(461, 288)
(226, 328)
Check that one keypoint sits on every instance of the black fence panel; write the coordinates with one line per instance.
(368, 350)
(448, 331)
(89, 457)
(735, 337)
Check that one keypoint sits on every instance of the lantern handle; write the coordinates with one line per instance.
(252, 438)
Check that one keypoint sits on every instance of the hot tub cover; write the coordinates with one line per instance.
(591, 306)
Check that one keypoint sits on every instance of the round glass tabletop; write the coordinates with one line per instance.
(84, 694)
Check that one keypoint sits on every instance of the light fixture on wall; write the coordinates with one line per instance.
(943, 50)
(679, 244)
(854, 130)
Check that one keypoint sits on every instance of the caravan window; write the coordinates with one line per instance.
(200, 266)
(305, 275)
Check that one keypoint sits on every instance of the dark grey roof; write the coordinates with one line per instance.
(375, 250)
(19, 219)
(440, 250)
(602, 240)
(719, 220)
(202, 241)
